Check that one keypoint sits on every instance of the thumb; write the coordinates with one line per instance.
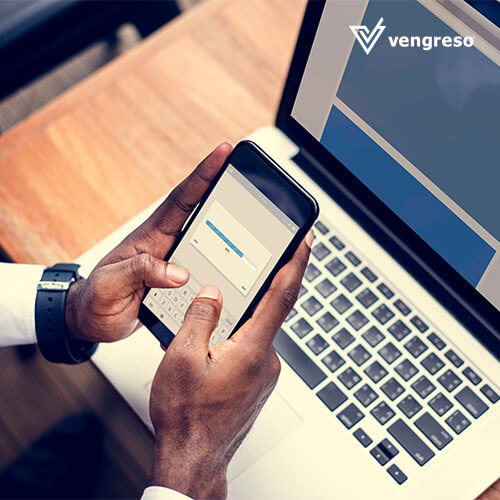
(201, 318)
(138, 272)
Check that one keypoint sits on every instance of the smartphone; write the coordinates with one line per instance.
(246, 227)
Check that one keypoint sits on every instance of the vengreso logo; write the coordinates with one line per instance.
(367, 39)
(429, 42)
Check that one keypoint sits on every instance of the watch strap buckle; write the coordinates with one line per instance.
(54, 286)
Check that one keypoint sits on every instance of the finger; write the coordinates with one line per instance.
(278, 300)
(136, 273)
(201, 318)
(170, 216)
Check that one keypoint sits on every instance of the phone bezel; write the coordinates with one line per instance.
(259, 159)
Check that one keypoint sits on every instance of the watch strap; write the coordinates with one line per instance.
(50, 321)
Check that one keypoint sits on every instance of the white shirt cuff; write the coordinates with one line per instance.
(17, 303)
(161, 493)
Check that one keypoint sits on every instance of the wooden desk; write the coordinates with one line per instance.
(89, 161)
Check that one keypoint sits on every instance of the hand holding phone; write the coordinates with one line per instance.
(217, 392)
(246, 227)
(104, 307)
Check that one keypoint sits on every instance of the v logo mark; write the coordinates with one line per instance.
(368, 39)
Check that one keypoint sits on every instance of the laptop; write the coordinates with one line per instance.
(390, 373)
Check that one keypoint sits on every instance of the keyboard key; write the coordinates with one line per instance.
(335, 266)
(402, 307)
(397, 474)
(415, 347)
(332, 396)
(432, 363)
(490, 393)
(343, 338)
(440, 404)
(383, 314)
(392, 389)
(471, 402)
(327, 322)
(449, 381)
(298, 360)
(291, 314)
(321, 227)
(373, 336)
(177, 317)
(438, 343)
(350, 416)
(423, 386)
(317, 344)
(351, 282)
(333, 361)
(357, 320)
(390, 352)
(312, 272)
(366, 298)
(458, 421)
(399, 330)
(406, 369)
(472, 376)
(362, 437)
(369, 274)
(454, 358)
(382, 413)
(385, 291)
(409, 406)
(349, 378)
(320, 251)
(419, 324)
(376, 371)
(387, 449)
(407, 438)
(379, 455)
(301, 328)
(433, 431)
(352, 258)
(359, 355)
(325, 288)
(341, 303)
(334, 240)
(311, 306)
(302, 291)
(365, 395)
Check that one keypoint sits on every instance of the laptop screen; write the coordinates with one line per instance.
(407, 96)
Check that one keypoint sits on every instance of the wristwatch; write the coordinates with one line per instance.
(50, 324)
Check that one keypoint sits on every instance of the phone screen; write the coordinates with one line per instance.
(234, 243)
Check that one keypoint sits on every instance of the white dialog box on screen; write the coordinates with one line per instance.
(230, 247)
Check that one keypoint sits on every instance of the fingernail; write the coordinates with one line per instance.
(177, 273)
(209, 292)
(309, 238)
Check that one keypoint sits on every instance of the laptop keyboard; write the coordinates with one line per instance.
(367, 353)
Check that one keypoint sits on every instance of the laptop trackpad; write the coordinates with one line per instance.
(276, 421)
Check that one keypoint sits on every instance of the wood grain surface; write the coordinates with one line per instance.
(99, 154)
(89, 161)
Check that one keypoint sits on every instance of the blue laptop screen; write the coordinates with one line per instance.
(407, 96)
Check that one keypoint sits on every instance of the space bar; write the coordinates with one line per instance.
(299, 362)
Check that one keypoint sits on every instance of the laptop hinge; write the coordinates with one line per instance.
(327, 181)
